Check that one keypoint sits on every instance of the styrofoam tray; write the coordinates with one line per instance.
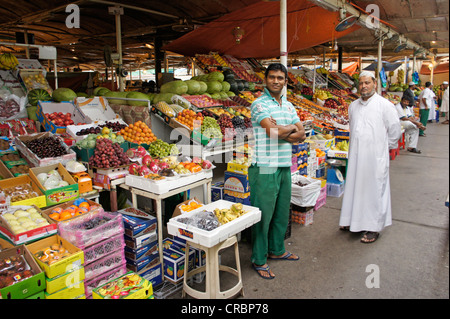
(164, 186)
(73, 129)
(218, 235)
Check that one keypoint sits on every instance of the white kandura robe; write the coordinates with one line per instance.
(374, 129)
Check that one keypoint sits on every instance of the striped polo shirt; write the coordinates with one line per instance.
(271, 152)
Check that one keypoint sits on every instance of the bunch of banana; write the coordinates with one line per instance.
(8, 61)
(341, 146)
(228, 214)
(401, 76)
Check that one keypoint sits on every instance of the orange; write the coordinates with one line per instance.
(65, 214)
(54, 216)
(57, 210)
(84, 205)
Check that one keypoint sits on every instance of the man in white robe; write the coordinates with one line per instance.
(444, 105)
(374, 129)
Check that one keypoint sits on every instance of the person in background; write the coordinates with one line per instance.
(444, 103)
(374, 129)
(410, 124)
(426, 101)
(275, 125)
(409, 94)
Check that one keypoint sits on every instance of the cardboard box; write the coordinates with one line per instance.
(103, 178)
(135, 254)
(236, 182)
(135, 227)
(75, 260)
(174, 264)
(48, 107)
(60, 194)
(145, 292)
(237, 197)
(140, 241)
(95, 109)
(153, 274)
(93, 206)
(217, 191)
(30, 235)
(29, 286)
(143, 263)
(5, 172)
(38, 201)
(10, 149)
(64, 280)
(70, 292)
(37, 161)
(237, 168)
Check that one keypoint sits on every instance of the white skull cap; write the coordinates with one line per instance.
(367, 73)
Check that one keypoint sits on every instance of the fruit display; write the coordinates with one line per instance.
(138, 133)
(228, 214)
(165, 109)
(19, 170)
(4, 145)
(78, 207)
(36, 95)
(226, 126)
(8, 107)
(202, 101)
(10, 157)
(60, 119)
(123, 287)
(52, 254)
(19, 192)
(240, 101)
(108, 155)
(112, 126)
(23, 219)
(8, 61)
(322, 94)
(307, 91)
(341, 146)
(210, 128)
(13, 270)
(51, 180)
(191, 205)
(160, 149)
(304, 115)
(63, 94)
(47, 146)
(187, 118)
(91, 140)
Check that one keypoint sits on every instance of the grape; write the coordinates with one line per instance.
(210, 128)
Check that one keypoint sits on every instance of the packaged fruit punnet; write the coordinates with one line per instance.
(23, 218)
(165, 108)
(91, 228)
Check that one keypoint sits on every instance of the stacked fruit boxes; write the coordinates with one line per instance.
(141, 244)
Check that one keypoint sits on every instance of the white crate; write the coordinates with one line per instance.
(165, 185)
(221, 233)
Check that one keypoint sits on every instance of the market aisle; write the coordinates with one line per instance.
(411, 255)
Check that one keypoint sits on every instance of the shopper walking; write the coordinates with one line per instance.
(426, 100)
(276, 125)
(410, 124)
(444, 103)
(374, 129)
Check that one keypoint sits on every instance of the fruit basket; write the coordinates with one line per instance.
(91, 228)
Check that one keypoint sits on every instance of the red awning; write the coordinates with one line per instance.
(307, 25)
(441, 68)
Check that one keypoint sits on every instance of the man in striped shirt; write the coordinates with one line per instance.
(276, 125)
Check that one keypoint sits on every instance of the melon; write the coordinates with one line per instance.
(94, 92)
(214, 87)
(216, 76)
(82, 94)
(137, 95)
(193, 86)
(216, 96)
(102, 92)
(63, 94)
(178, 87)
(31, 112)
(36, 95)
(225, 86)
(223, 95)
(203, 87)
(166, 97)
(116, 94)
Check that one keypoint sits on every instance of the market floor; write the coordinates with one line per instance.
(409, 260)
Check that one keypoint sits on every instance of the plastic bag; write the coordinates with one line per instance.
(306, 195)
(12, 107)
(203, 220)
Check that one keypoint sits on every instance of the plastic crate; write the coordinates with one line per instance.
(322, 199)
(301, 218)
(102, 279)
(103, 248)
(335, 190)
(104, 264)
(75, 232)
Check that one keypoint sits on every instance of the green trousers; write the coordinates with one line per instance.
(270, 191)
(423, 118)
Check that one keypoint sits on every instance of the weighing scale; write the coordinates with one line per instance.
(334, 175)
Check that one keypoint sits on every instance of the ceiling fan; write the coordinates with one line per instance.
(400, 47)
(184, 25)
(346, 22)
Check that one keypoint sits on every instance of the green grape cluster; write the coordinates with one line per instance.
(160, 148)
(210, 128)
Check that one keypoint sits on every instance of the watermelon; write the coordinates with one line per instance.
(225, 86)
(214, 87)
(36, 95)
(137, 95)
(216, 76)
(94, 92)
(193, 86)
(63, 94)
(178, 87)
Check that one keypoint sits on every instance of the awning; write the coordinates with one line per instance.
(351, 69)
(440, 68)
(307, 25)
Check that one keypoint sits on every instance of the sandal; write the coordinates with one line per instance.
(263, 272)
(344, 228)
(369, 237)
(286, 256)
(414, 150)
